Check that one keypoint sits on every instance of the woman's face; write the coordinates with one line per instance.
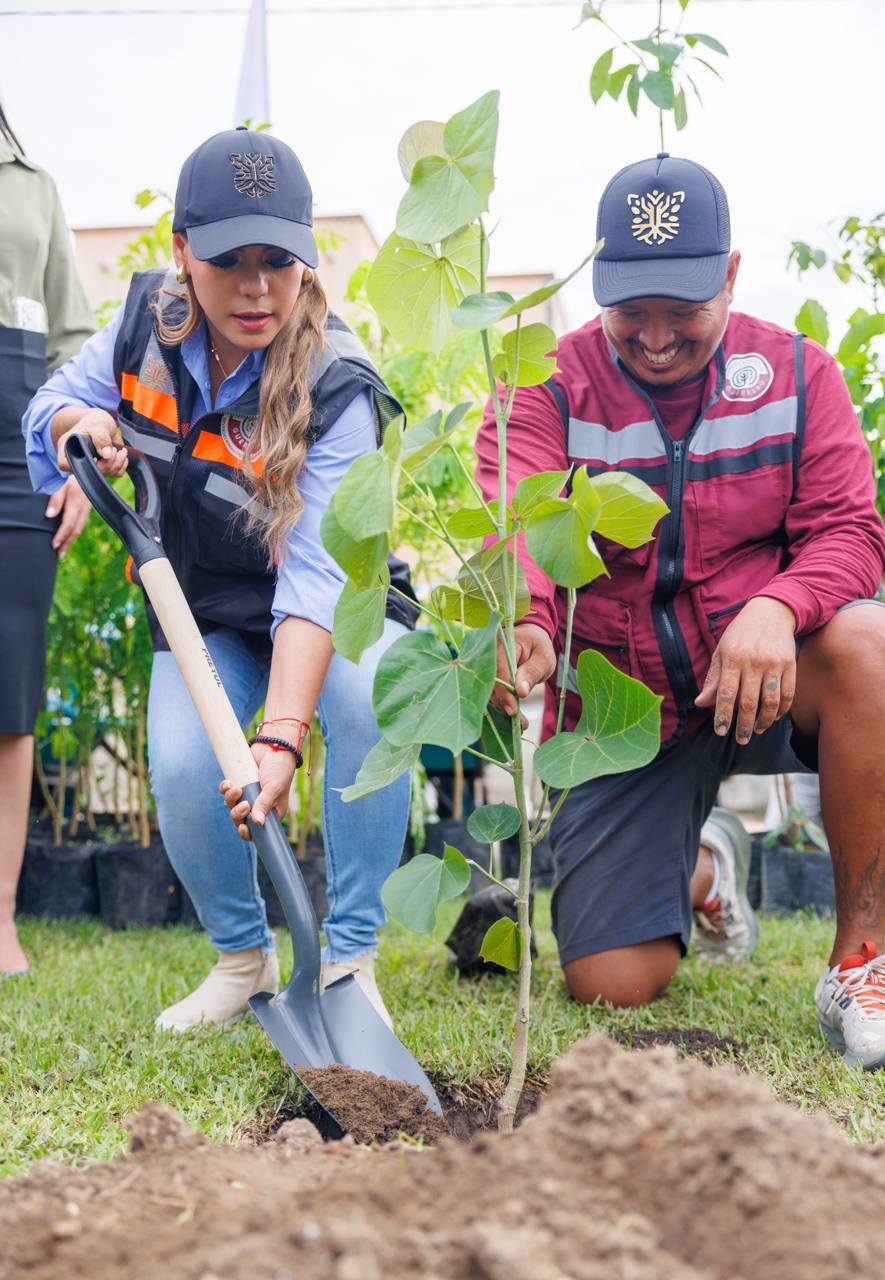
(247, 295)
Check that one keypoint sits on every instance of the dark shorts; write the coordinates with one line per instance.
(625, 846)
(27, 575)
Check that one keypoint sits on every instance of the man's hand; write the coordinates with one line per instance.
(753, 669)
(72, 504)
(535, 663)
(101, 427)
(276, 770)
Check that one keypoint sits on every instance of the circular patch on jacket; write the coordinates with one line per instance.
(236, 433)
(747, 377)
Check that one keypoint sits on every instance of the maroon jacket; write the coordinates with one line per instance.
(771, 493)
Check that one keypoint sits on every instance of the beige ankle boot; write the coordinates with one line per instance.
(363, 969)
(224, 995)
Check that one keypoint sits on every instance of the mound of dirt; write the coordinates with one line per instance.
(634, 1167)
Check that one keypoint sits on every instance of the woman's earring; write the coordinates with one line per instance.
(181, 274)
(308, 276)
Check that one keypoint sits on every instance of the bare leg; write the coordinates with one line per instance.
(841, 699)
(16, 763)
(626, 976)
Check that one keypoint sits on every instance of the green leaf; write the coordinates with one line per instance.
(414, 893)
(525, 359)
(683, 5)
(422, 139)
(658, 88)
(589, 11)
(359, 616)
(423, 693)
(865, 325)
(629, 509)
(502, 944)
(364, 499)
(493, 822)
(619, 78)
(710, 41)
(599, 74)
(360, 559)
(504, 726)
(665, 52)
(812, 320)
(471, 522)
(558, 539)
(619, 727)
(383, 765)
(413, 287)
(464, 600)
(633, 93)
(535, 489)
(481, 310)
(680, 110)
(842, 270)
(585, 497)
(451, 189)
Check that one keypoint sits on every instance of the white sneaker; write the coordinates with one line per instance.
(363, 969)
(850, 1001)
(727, 929)
(223, 996)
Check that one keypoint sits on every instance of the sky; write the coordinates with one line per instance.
(111, 103)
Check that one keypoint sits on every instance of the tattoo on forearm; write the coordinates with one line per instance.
(860, 896)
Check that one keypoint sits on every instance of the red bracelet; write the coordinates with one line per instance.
(278, 744)
(303, 732)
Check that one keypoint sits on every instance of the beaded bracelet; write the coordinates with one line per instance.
(278, 744)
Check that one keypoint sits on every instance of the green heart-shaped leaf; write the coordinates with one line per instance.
(413, 287)
(503, 944)
(363, 559)
(359, 616)
(619, 727)
(383, 765)
(464, 600)
(629, 508)
(449, 190)
(480, 310)
(493, 822)
(525, 359)
(558, 538)
(423, 693)
(364, 499)
(413, 893)
(533, 490)
(422, 139)
(472, 522)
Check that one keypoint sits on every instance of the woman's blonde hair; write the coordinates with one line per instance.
(277, 450)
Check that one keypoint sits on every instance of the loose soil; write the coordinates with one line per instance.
(635, 1166)
(371, 1108)
(692, 1042)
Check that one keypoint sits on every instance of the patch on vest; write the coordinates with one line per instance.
(236, 434)
(747, 377)
(154, 372)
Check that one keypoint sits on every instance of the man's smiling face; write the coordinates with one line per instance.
(663, 341)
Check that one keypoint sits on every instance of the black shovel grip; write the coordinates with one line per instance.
(138, 529)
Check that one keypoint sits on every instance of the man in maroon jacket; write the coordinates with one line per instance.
(750, 612)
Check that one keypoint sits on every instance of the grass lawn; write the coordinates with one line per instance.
(78, 1051)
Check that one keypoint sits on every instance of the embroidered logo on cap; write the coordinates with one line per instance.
(747, 377)
(253, 174)
(656, 215)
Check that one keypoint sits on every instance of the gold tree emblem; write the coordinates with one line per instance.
(656, 215)
(253, 174)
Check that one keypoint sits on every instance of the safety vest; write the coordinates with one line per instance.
(660, 614)
(199, 465)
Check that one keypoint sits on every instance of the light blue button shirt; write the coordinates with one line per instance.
(309, 581)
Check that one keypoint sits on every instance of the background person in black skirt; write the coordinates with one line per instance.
(44, 319)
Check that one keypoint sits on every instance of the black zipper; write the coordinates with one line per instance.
(713, 618)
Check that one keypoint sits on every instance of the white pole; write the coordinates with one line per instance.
(253, 93)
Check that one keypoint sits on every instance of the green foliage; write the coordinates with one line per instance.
(658, 66)
(860, 351)
(433, 686)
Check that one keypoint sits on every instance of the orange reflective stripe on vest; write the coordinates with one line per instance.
(155, 405)
(212, 448)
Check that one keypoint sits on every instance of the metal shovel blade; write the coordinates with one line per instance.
(312, 1028)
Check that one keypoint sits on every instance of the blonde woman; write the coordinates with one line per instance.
(251, 401)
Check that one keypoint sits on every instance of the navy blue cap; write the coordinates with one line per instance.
(241, 187)
(667, 233)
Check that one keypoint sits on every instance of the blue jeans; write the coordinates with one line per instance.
(363, 840)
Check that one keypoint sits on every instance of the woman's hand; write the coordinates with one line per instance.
(71, 503)
(101, 428)
(276, 770)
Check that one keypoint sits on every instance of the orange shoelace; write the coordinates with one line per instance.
(863, 977)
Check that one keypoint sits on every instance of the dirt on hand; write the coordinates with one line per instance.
(636, 1166)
